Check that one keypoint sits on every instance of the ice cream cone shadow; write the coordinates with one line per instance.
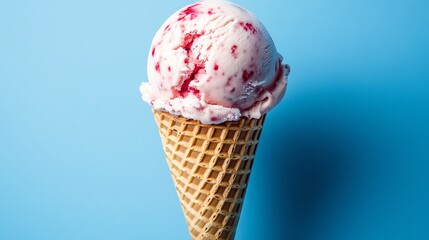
(309, 168)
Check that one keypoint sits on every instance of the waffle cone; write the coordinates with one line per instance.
(210, 166)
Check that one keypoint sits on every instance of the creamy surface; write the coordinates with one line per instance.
(213, 61)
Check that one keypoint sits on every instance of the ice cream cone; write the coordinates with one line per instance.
(210, 166)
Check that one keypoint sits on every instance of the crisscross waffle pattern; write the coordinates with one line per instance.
(210, 166)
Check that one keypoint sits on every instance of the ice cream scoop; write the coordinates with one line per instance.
(214, 61)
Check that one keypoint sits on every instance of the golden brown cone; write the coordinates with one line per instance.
(210, 166)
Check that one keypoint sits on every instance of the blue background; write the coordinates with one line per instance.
(344, 156)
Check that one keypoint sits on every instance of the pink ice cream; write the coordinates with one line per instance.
(213, 61)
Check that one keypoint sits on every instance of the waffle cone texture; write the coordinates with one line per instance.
(210, 166)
